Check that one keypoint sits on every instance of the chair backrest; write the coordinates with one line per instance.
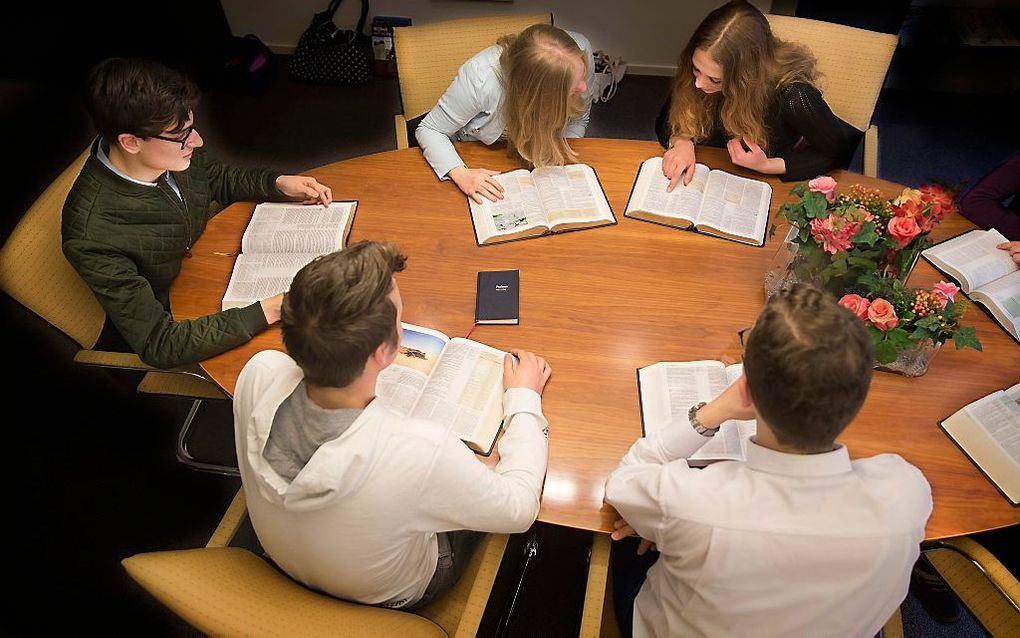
(228, 591)
(33, 269)
(428, 56)
(853, 63)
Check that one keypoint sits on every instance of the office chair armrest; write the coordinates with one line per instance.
(106, 359)
(400, 127)
(230, 522)
(595, 592)
(871, 151)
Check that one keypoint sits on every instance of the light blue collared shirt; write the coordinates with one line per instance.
(104, 158)
(469, 110)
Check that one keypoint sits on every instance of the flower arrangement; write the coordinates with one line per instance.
(910, 317)
(859, 239)
(861, 247)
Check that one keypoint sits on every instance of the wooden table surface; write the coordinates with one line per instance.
(600, 303)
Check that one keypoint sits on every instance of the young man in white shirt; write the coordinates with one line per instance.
(798, 540)
(347, 496)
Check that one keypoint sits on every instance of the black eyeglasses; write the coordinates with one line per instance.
(742, 336)
(178, 140)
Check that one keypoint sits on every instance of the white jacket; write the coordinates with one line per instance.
(360, 520)
(470, 109)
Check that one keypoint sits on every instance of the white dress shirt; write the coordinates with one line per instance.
(779, 545)
(359, 521)
(470, 109)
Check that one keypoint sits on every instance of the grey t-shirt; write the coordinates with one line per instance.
(299, 428)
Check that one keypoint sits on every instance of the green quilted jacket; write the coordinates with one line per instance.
(127, 240)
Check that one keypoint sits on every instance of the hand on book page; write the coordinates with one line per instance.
(477, 183)
(530, 371)
(272, 307)
(679, 160)
(305, 188)
(1013, 247)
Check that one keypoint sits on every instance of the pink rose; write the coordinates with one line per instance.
(834, 234)
(882, 315)
(824, 185)
(946, 291)
(857, 305)
(903, 230)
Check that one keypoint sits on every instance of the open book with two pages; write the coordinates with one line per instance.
(714, 203)
(988, 431)
(546, 200)
(456, 381)
(987, 275)
(667, 391)
(279, 241)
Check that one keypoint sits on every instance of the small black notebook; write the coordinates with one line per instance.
(497, 300)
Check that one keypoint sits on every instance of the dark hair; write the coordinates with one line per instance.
(138, 97)
(808, 364)
(338, 312)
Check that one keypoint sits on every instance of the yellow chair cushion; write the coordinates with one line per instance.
(230, 591)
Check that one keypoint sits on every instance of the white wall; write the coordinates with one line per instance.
(648, 34)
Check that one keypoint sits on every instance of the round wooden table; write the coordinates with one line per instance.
(598, 304)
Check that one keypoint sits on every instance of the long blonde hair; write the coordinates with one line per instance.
(537, 77)
(755, 65)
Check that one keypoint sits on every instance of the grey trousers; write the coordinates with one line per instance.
(455, 550)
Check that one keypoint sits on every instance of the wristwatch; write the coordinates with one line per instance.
(692, 415)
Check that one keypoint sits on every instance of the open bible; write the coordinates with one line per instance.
(450, 381)
(988, 431)
(279, 241)
(668, 390)
(546, 200)
(987, 275)
(714, 203)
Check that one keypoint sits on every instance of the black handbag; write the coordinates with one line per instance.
(327, 55)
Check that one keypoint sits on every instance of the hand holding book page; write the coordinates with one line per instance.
(279, 241)
(714, 202)
(546, 200)
(455, 382)
(669, 389)
(988, 275)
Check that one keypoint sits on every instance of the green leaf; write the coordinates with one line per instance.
(866, 235)
(875, 334)
(815, 205)
(899, 338)
(798, 189)
(921, 334)
(885, 352)
(862, 262)
(965, 337)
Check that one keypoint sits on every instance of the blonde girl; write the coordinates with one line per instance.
(532, 89)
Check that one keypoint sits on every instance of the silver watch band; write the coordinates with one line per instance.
(692, 416)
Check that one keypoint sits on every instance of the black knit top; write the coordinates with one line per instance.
(802, 130)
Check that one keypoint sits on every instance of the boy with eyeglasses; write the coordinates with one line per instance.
(141, 202)
(797, 540)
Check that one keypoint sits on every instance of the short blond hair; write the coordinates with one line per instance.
(537, 76)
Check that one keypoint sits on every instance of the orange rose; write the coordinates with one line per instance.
(882, 314)
(903, 229)
(857, 305)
